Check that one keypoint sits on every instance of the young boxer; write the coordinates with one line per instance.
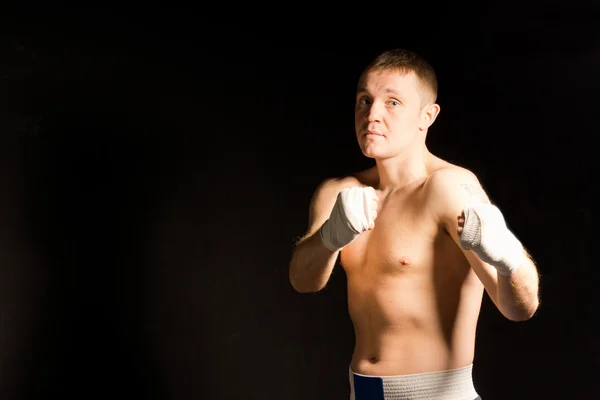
(419, 240)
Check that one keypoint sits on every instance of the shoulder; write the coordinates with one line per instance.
(449, 178)
(330, 187)
(450, 189)
(325, 196)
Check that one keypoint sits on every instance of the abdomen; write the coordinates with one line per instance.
(412, 297)
(415, 320)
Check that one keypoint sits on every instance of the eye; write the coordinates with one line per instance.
(364, 100)
(394, 103)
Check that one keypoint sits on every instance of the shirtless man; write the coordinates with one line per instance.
(419, 240)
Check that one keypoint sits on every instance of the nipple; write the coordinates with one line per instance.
(404, 261)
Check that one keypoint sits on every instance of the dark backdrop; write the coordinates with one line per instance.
(156, 168)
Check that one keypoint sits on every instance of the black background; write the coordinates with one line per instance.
(157, 166)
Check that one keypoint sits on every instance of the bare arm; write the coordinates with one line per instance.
(518, 293)
(312, 263)
(515, 295)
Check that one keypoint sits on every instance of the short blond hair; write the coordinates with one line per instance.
(406, 61)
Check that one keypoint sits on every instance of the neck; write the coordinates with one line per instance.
(404, 168)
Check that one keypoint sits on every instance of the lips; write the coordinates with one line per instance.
(373, 133)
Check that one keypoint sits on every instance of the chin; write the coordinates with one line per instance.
(371, 153)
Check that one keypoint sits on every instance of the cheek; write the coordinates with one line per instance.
(412, 119)
(359, 120)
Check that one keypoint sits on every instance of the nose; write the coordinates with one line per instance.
(374, 114)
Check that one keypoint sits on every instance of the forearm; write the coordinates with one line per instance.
(518, 293)
(311, 264)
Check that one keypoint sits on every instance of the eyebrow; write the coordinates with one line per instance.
(387, 90)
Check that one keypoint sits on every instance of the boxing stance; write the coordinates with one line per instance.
(419, 240)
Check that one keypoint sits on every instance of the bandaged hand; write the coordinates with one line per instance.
(354, 212)
(483, 230)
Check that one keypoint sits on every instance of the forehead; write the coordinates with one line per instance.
(380, 81)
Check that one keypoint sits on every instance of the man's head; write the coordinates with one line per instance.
(395, 103)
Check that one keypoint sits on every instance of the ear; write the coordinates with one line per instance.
(428, 115)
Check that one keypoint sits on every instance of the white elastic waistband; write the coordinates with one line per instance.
(454, 384)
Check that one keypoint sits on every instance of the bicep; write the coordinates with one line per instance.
(457, 191)
(454, 192)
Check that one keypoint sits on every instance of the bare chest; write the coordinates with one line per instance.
(403, 239)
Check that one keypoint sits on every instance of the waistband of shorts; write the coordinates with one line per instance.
(455, 384)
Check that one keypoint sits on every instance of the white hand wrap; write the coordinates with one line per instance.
(485, 232)
(352, 214)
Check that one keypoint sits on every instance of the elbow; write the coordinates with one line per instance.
(519, 316)
(523, 313)
(306, 277)
(302, 282)
(304, 287)
(297, 286)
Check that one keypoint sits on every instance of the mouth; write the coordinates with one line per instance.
(372, 133)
